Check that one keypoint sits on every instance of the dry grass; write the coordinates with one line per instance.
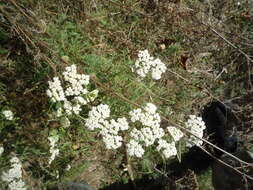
(207, 48)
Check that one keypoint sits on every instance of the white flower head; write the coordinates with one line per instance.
(175, 133)
(104, 110)
(17, 185)
(112, 141)
(53, 150)
(136, 114)
(168, 149)
(76, 81)
(14, 175)
(98, 118)
(158, 68)
(149, 137)
(158, 132)
(150, 108)
(1, 150)
(150, 130)
(68, 167)
(146, 63)
(137, 135)
(135, 149)
(80, 100)
(147, 116)
(55, 91)
(123, 124)
(8, 114)
(70, 90)
(197, 126)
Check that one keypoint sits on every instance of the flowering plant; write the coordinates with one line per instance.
(146, 63)
(8, 114)
(14, 175)
(142, 130)
(196, 125)
(109, 129)
(71, 93)
(54, 151)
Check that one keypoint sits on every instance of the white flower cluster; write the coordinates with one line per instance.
(76, 81)
(109, 129)
(196, 125)
(97, 116)
(134, 148)
(147, 116)
(168, 149)
(146, 63)
(55, 91)
(14, 176)
(68, 167)
(8, 114)
(175, 133)
(53, 150)
(1, 150)
(72, 93)
(150, 131)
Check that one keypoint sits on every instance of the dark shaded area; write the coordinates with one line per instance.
(221, 126)
(225, 178)
(146, 183)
